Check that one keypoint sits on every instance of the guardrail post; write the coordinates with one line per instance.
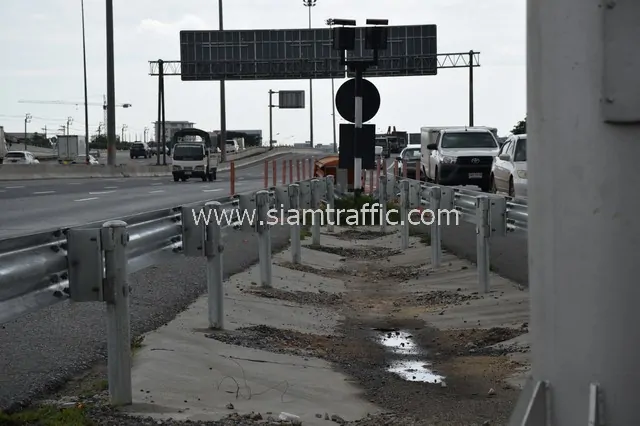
(263, 204)
(435, 196)
(315, 206)
(404, 212)
(213, 250)
(383, 197)
(331, 203)
(294, 208)
(483, 232)
(114, 238)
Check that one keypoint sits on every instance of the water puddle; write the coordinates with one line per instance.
(415, 371)
(407, 364)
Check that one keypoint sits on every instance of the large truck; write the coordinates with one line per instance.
(198, 159)
(3, 145)
(71, 149)
(459, 155)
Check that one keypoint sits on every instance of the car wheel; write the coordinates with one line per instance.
(176, 178)
(436, 178)
(512, 189)
(204, 178)
(494, 188)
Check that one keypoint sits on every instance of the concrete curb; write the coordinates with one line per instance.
(10, 172)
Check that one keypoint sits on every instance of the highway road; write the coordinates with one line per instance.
(38, 205)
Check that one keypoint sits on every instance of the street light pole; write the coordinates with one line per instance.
(333, 102)
(223, 100)
(310, 4)
(27, 120)
(86, 103)
(111, 88)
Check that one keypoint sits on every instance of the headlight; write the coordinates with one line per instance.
(522, 174)
(198, 168)
(176, 167)
(449, 160)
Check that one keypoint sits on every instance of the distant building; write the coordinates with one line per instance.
(171, 127)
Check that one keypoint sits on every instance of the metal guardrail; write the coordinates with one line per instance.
(91, 263)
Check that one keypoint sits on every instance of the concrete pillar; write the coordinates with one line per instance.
(584, 233)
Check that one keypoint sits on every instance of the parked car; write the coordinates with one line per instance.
(20, 157)
(232, 146)
(139, 149)
(411, 156)
(509, 171)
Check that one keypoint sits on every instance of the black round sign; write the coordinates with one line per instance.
(346, 100)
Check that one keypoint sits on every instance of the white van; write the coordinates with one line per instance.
(232, 146)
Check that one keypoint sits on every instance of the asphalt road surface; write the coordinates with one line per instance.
(39, 205)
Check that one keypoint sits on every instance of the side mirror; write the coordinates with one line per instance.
(432, 147)
(399, 158)
(505, 157)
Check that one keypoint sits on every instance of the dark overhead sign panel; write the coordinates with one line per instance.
(299, 54)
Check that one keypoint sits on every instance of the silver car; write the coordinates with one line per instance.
(509, 171)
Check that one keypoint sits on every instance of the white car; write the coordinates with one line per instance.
(20, 157)
(232, 147)
(509, 171)
(412, 156)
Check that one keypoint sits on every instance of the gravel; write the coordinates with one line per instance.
(437, 298)
(357, 234)
(302, 297)
(39, 352)
(360, 252)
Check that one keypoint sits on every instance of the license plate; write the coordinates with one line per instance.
(187, 173)
(475, 175)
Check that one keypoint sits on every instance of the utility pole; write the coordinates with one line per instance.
(69, 121)
(310, 4)
(100, 129)
(111, 88)
(333, 102)
(271, 92)
(124, 127)
(146, 132)
(582, 105)
(86, 102)
(45, 131)
(223, 101)
(27, 120)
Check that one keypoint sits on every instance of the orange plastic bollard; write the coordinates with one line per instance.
(395, 168)
(290, 171)
(304, 169)
(284, 172)
(232, 177)
(404, 169)
(298, 169)
(275, 173)
(417, 170)
(266, 174)
(371, 181)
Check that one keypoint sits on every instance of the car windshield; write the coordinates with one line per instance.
(15, 155)
(412, 154)
(138, 145)
(188, 153)
(468, 140)
(230, 143)
(521, 151)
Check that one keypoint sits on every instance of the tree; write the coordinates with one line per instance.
(520, 128)
(100, 142)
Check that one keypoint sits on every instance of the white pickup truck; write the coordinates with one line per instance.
(459, 155)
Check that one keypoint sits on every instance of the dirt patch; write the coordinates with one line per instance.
(356, 234)
(477, 341)
(373, 272)
(361, 252)
(310, 269)
(302, 297)
(436, 298)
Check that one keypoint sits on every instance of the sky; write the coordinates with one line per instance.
(42, 61)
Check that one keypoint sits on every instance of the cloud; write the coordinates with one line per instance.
(188, 22)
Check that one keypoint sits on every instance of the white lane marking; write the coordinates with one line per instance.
(2, 190)
(212, 190)
(157, 184)
(101, 192)
(14, 187)
(110, 187)
(87, 199)
(75, 183)
(156, 191)
(240, 178)
(43, 192)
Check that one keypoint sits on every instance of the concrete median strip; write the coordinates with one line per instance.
(57, 171)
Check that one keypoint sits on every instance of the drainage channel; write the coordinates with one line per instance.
(410, 361)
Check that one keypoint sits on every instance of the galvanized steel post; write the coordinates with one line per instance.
(404, 212)
(114, 238)
(294, 206)
(483, 232)
(382, 192)
(317, 215)
(435, 196)
(213, 250)
(263, 204)
(331, 203)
